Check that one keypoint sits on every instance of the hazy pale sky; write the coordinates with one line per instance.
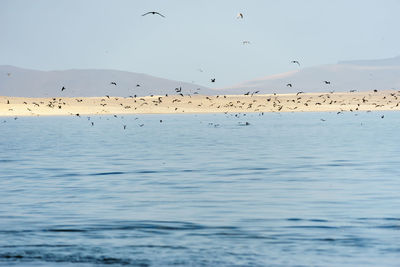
(196, 34)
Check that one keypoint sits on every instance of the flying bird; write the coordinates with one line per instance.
(178, 90)
(239, 16)
(154, 13)
(213, 80)
(327, 82)
(289, 85)
(295, 62)
(113, 83)
(246, 42)
(62, 89)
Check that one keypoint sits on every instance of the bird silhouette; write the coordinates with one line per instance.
(295, 62)
(239, 16)
(213, 80)
(62, 89)
(178, 90)
(153, 13)
(327, 82)
(113, 83)
(289, 85)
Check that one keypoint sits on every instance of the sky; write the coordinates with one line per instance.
(196, 35)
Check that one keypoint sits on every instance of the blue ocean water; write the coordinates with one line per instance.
(290, 189)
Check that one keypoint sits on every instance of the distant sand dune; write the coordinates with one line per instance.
(310, 102)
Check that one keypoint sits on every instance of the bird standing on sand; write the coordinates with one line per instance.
(153, 13)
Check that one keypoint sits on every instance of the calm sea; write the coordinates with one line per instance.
(293, 189)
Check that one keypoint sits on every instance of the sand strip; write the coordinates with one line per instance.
(310, 102)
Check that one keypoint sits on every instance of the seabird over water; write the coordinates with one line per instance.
(154, 13)
(295, 62)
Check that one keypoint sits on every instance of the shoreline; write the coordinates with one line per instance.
(178, 104)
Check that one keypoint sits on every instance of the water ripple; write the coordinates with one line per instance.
(105, 173)
(37, 255)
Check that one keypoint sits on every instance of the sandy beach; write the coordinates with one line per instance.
(300, 102)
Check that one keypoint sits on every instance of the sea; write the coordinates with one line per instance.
(272, 189)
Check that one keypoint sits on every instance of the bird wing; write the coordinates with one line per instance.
(146, 13)
(160, 14)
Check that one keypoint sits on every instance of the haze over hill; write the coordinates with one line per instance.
(360, 75)
(86, 83)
